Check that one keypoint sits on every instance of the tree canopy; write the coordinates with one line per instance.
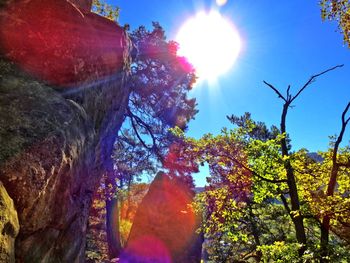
(339, 11)
(266, 202)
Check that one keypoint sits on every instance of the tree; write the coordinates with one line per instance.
(239, 205)
(255, 175)
(328, 187)
(295, 211)
(159, 83)
(131, 160)
(293, 191)
(338, 10)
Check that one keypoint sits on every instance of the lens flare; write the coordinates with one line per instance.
(54, 42)
(164, 228)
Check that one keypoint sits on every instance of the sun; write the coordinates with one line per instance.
(210, 43)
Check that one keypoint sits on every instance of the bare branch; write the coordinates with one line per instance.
(275, 90)
(288, 94)
(342, 131)
(345, 122)
(312, 78)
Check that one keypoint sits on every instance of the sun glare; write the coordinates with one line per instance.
(210, 43)
(221, 2)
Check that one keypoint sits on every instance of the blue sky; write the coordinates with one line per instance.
(284, 42)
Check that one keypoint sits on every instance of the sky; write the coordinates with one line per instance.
(283, 42)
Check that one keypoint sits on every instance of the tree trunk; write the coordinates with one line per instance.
(293, 190)
(112, 215)
(327, 218)
(325, 238)
(255, 232)
(113, 224)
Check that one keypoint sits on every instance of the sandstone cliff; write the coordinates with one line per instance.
(62, 98)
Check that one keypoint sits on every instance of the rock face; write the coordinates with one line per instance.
(83, 5)
(9, 227)
(56, 143)
(164, 226)
(57, 42)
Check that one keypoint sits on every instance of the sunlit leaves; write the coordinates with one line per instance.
(313, 178)
(339, 11)
(246, 203)
(106, 10)
(280, 252)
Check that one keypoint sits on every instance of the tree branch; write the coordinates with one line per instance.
(342, 131)
(285, 204)
(345, 122)
(346, 165)
(332, 183)
(138, 135)
(288, 93)
(312, 78)
(139, 121)
(275, 90)
(253, 172)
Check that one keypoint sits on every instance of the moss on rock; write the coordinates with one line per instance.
(9, 227)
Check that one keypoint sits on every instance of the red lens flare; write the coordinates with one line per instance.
(60, 45)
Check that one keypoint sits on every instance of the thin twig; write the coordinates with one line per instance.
(312, 78)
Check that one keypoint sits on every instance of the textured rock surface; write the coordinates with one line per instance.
(44, 141)
(83, 5)
(56, 42)
(49, 166)
(164, 226)
(55, 144)
(9, 227)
